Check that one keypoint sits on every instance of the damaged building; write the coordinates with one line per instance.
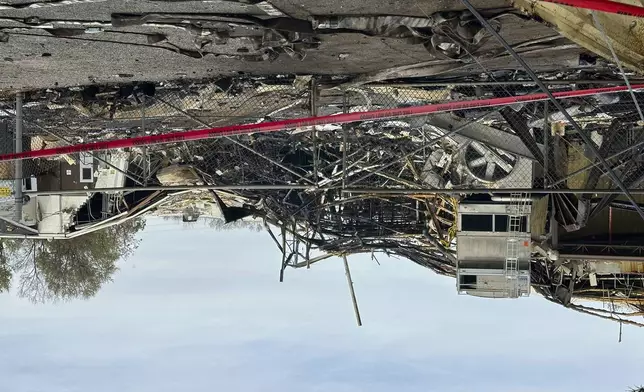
(507, 195)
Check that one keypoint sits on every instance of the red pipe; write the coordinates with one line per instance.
(612, 7)
(232, 130)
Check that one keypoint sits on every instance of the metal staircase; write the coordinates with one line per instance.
(517, 209)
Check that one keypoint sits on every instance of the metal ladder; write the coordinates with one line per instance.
(516, 211)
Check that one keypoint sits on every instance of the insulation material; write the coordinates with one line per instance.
(625, 33)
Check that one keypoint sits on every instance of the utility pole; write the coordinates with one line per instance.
(352, 291)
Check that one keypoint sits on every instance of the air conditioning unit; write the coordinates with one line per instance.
(495, 168)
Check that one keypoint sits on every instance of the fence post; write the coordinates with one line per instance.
(18, 163)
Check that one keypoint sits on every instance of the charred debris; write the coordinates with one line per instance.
(449, 35)
(398, 187)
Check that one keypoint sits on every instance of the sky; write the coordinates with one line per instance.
(195, 310)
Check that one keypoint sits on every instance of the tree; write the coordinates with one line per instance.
(6, 271)
(75, 268)
(5, 275)
(220, 224)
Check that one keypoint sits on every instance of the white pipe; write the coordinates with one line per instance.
(508, 199)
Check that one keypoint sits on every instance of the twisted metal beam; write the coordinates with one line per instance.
(584, 136)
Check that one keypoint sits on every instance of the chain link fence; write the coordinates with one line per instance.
(507, 147)
(527, 146)
(389, 185)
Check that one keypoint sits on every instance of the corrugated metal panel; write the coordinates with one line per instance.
(488, 246)
(487, 208)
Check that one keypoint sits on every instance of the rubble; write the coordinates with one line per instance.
(446, 35)
(333, 180)
(178, 175)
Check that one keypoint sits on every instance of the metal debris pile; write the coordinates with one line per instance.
(616, 294)
(376, 186)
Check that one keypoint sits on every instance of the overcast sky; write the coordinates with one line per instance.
(197, 310)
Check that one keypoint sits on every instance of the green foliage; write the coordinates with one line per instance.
(77, 268)
(61, 270)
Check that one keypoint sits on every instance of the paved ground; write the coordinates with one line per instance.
(35, 59)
